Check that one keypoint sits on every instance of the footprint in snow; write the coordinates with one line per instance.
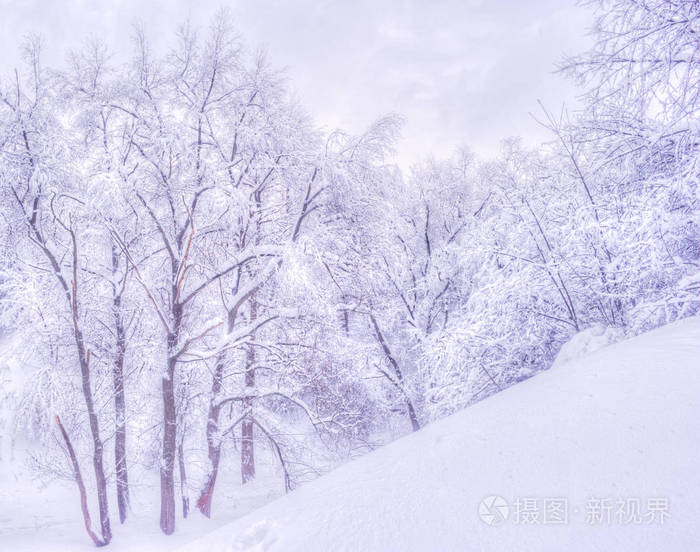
(258, 538)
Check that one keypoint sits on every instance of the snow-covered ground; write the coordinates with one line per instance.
(47, 518)
(599, 453)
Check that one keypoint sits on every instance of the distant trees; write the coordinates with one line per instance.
(198, 272)
(600, 226)
(640, 130)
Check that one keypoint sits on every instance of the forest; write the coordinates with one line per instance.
(201, 280)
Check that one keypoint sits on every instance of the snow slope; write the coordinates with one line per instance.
(608, 436)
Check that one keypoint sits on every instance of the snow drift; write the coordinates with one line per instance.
(610, 439)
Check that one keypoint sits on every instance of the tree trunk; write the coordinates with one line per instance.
(247, 451)
(213, 440)
(78, 477)
(120, 416)
(167, 467)
(167, 484)
(412, 415)
(207, 493)
(247, 443)
(98, 447)
(213, 431)
(399, 382)
(183, 482)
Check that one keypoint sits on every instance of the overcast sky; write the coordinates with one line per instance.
(461, 72)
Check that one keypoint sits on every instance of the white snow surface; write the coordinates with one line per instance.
(586, 342)
(622, 423)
